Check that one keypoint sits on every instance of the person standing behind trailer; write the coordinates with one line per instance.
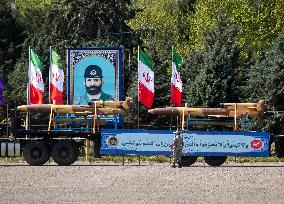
(177, 146)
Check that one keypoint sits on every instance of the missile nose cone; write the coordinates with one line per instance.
(151, 111)
(22, 108)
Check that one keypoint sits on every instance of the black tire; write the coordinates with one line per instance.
(76, 147)
(215, 161)
(279, 148)
(188, 160)
(64, 153)
(36, 153)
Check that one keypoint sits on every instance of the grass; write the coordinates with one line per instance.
(155, 159)
(129, 159)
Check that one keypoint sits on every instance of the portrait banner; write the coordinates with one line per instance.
(94, 74)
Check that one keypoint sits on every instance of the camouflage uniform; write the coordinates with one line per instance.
(177, 146)
(84, 100)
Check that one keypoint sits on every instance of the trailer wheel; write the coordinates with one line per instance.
(64, 153)
(279, 148)
(215, 161)
(188, 160)
(36, 153)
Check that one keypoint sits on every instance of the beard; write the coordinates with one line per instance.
(93, 90)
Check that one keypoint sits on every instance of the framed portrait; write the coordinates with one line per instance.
(84, 65)
(108, 60)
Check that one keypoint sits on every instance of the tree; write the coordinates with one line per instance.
(164, 23)
(30, 13)
(162, 72)
(72, 23)
(213, 71)
(259, 21)
(266, 82)
(11, 36)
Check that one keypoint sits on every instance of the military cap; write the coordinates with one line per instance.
(93, 71)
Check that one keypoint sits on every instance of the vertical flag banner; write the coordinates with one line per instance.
(56, 79)
(1, 92)
(145, 79)
(36, 86)
(176, 83)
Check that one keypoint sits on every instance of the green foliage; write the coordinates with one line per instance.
(220, 41)
(259, 22)
(213, 71)
(70, 23)
(266, 82)
(164, 23)
(30, 12)
(162, 95)
(11, 36)
(153, 159)
(255, 159)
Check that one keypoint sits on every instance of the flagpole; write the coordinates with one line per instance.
(7, 127)
(171, 85)
(171, 93)
(138, 87)
(50, 56)
(28, 91)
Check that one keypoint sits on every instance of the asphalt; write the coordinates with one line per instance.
(103, 182)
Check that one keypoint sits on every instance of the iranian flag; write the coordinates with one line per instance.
(176, 83)
(36, 86)
(145, 79)
(56, 79)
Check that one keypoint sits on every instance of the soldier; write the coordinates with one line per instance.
(177, 146)
(93, 83)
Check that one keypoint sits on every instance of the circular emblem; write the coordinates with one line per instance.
(93, 72)
(256, 144)
(112, 141)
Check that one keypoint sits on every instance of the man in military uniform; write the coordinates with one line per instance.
(177, 146)
(93, 83)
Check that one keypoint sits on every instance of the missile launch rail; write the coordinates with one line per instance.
(67, 134)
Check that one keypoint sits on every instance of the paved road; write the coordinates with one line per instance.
(148, 183)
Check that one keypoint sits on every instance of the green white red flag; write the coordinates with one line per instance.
(56, 79)
(176, 83)
(36, 86)
(145, 79)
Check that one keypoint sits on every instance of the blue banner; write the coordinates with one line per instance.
(196, 143)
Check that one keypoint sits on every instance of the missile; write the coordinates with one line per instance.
(127, 104)
(73, 109)
(258, 107)
(111, 108)
(229, 110)
(194, 112)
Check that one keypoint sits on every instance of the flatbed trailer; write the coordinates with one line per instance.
(37, 146)
(63, 145)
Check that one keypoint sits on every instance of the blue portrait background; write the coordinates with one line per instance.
(108, 72)
(110, 60)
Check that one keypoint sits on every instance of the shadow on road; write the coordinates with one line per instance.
(144, 165)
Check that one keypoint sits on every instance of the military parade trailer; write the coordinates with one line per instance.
(63, 142)
(72, 127)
